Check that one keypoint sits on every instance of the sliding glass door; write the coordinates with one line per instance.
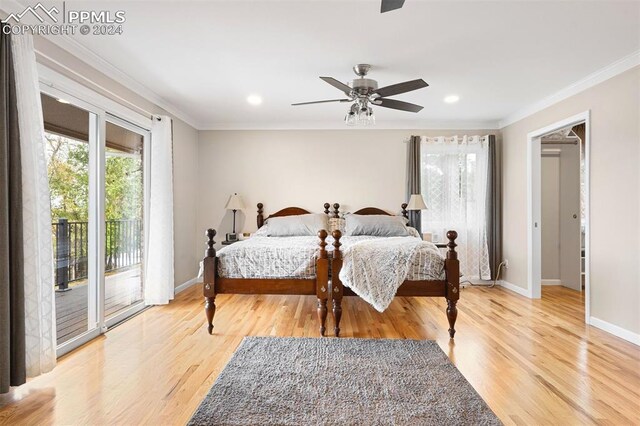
(69, 140)
(96, 166)
(124, 218)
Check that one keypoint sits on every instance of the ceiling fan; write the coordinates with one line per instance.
(389, 5)
(364, 91)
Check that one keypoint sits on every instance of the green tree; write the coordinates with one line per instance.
(68, 170)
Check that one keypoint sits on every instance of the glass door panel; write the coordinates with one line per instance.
(124, 213)
(68, 138)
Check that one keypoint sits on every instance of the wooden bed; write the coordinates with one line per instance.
(213, 284)
(449, 288)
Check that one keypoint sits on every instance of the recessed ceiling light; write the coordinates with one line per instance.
(254, 99)
(452, 99)
(63, 101)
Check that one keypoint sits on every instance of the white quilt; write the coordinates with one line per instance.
(294, 257)
(375, 268)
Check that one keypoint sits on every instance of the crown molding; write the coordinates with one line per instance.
(339, 125)
(611, 70)
(95, 61)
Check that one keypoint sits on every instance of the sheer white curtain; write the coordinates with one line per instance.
(40, 329)
(159, 283)
(454, 186)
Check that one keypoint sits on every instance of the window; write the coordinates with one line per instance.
(454, 187)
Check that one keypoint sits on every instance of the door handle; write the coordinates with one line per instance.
(575, 216)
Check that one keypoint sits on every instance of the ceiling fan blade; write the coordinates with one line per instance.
(389, 5)
(394, 104)
(321, 102)
(396, 89)
(338, 85)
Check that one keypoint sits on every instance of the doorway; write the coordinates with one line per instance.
(558, 210)
(98, 174)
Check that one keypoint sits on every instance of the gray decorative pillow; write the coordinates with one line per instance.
(376, 225)
(296, 226)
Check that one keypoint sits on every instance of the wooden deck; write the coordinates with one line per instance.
(122, 289)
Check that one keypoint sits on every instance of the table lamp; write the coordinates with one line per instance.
(416, 202)
(235, 203)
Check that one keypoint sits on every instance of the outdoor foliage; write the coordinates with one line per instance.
(68, 170)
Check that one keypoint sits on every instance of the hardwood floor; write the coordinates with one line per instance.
(533, 361)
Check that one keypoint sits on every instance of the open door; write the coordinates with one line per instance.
(570, 233)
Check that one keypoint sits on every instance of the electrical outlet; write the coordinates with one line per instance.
(506, 264)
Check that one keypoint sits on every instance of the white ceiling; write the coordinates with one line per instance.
(205, 58)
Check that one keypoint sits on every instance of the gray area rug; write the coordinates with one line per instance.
(299, 381)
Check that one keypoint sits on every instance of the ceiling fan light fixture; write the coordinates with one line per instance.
(350, 118)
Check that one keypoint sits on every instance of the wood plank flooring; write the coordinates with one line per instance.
(533, 361)
(122, 289)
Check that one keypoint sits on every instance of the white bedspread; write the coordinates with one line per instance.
(375, 268)
(269, 257)
(294, 257)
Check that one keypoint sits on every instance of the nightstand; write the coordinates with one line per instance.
(226, 243)
(441, 245)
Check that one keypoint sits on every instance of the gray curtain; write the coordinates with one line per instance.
(413, 179)
(494, 207)
(12, 320)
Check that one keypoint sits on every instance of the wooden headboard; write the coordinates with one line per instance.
(292, 211)
(375, 210)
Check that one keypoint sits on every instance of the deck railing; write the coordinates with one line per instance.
(70, 245)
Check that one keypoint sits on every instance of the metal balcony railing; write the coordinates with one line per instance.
(70, 248)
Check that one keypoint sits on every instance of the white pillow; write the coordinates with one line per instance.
(376, 225)
(296, 226)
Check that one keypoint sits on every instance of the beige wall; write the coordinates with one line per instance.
(615, 194)
(356, 168)
(185, 146)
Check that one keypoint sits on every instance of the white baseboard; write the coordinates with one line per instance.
(182, 287)
(516, 289)
(617, 331)
(551, 282)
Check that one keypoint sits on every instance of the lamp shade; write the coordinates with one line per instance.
(235, 203)
(416, 202)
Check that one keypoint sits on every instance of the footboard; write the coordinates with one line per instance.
(213, 284)
(449, 288)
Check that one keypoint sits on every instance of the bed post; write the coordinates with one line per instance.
(452, 267)
(336, 284)
(336, 210)
(209, 283)
(326, 209)
(322, 281)
(405, 213)
(260, 217)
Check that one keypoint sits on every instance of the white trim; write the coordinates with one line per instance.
(123, 315)
(534, 256)
(76, 342)
(551, 282)
(100, 64)
(54, 80)
(617, 331)
(516, 289)
(339, 125)
(611, 70)
(182, 287)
